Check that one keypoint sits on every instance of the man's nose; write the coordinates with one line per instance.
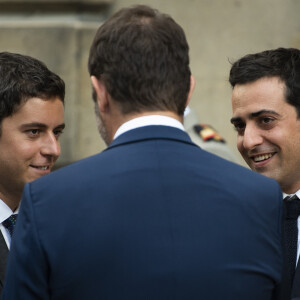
(251, 137)
(50, 146)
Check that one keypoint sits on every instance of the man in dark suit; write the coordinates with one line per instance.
(31, 121)
(266, 110)
(153, 216)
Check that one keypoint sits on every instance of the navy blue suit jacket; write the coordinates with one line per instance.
(151, 217)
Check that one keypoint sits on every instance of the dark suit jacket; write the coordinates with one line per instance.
(151, 217)
(3, 259)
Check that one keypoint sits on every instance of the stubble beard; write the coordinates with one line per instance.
(100, 125)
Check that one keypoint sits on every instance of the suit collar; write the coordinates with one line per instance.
(150, 133)
(148, 120)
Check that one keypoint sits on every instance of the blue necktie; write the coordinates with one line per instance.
(10, 223)
(292, 211)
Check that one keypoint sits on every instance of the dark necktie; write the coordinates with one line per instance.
(10, 223)
(292, 211)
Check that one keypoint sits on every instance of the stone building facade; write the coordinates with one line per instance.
(59, 32)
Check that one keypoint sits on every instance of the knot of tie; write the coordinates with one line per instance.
(292, 207)
(10, 223)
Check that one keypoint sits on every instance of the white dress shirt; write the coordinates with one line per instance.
(5, 212)
(147, 121)
(298, 220)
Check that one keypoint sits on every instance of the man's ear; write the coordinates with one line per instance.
(192, 87)
(101, 93)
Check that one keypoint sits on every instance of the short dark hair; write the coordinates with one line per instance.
(142, 57)
(23, 77)
(282, 62)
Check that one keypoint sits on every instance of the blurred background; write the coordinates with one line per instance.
(218, 31)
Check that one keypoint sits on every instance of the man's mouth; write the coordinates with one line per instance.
(40, 167)
(262, 157)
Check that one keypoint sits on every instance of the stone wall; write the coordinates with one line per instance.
(60, 33)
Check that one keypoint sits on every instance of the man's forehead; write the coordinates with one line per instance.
(38, 112)
(263, 94)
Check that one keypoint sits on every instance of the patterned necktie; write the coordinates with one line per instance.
(292, 211)
(10, 223)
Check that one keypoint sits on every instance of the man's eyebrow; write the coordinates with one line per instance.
(235, 120)
(264, 111)
(61, 126)
(39, 125)
(255, 115)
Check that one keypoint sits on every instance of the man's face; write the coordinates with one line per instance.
(29, 144)
(268, 131)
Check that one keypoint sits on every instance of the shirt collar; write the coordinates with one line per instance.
(148, 121)
(297, 193)
(5, 211)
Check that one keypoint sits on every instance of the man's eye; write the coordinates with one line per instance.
(33, 131)
(266, 120)
(58, 132)
(239, 126)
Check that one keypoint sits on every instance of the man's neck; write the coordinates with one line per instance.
(11, 200)
(291, 189)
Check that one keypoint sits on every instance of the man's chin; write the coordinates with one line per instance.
(266, 172)
(37, 175)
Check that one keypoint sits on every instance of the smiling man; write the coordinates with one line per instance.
(266, 115)
(31, 121)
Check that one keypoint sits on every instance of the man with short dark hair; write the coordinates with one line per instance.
(31, 121)
(153, 216)
(266, 110)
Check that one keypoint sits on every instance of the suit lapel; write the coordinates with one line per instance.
(296, 283)
(3, 259)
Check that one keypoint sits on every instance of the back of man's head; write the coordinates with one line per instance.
(283, 63)
(23, 77)
(142, 57)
